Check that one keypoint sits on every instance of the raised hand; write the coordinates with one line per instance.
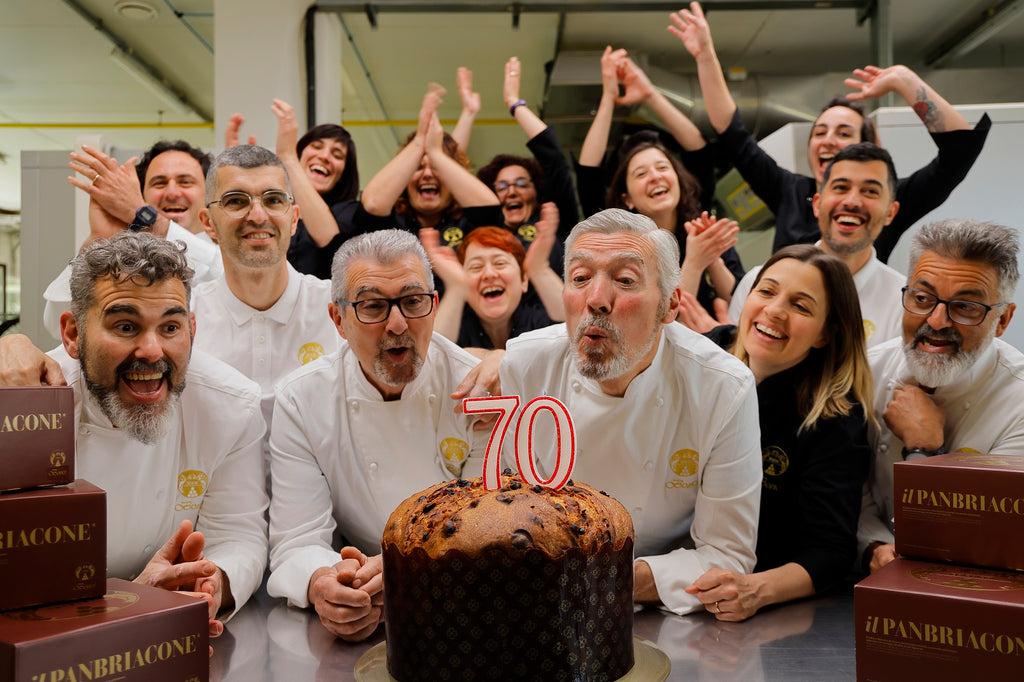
(693, 30)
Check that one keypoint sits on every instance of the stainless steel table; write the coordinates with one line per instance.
(807, 640)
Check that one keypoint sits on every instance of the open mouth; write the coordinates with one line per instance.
(143, 383)
(319, 170)
(492, 293)
(260, 236)
(849, 221)
(174, 211)
(429, 190)
(769, 331)
(513, 205)
(658, 191)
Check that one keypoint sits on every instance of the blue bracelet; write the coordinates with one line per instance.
(516, 105)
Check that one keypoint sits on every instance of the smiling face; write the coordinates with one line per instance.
(134, 345)
(391, 352)
(652, 185)
(518, 204)
(495, 283)
(257, 239)
(324, 162)
(853, 206)
(428, 197)
(614, 309)
(836, 128)
(784, 317)
(937, 349)
(174, 186)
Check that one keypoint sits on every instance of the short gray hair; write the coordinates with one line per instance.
(972, 240)
(616, 220)
(382, 246)
(242, 156)
(136, 257)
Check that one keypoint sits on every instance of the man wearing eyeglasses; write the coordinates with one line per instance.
(855, 203)
(948, 384)
(361, 430)
(263, 317)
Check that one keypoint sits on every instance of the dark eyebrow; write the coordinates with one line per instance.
(415, 287)
(125, 309)
(978, 293)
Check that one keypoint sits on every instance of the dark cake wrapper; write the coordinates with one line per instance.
(501, 618)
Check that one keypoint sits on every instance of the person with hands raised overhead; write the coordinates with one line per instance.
(841, 123)
(428, 184)
(650, 180)
(324, 175)
(485, 282)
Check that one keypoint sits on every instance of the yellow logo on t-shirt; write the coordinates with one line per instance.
(452, 236)
(527, 232)
(683, 464)
(454, 450)
(869, 329)
(310, 352)
(192, 483)
(774, 460)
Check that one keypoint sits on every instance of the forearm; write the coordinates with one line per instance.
(689, 276)
(530, 122)
(315, 212)
(463, 129)
(596, 141)
(448, 320)
(782, 584)
(465, 187)
(722, 279)
(935, 112)
(384, 188)
(715, 90)
(682, 128)
(548, 286)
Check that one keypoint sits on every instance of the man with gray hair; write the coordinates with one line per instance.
(362, 429)
(949, 385)
(171, 435)
(666, 421)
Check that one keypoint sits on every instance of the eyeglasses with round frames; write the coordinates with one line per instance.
(967, 313)
(377, 310)
(521, 183)
(238, 204)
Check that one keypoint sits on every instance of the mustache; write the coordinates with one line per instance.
(947, 334)
(136, 365)
(601, 322)
(403, 340)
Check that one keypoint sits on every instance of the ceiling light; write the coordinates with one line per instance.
(136, 10)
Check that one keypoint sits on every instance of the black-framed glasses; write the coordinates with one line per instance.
(967, 313)
(238, 203)
(376, 310)
(521, 183)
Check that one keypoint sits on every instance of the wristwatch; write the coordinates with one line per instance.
(144, 218)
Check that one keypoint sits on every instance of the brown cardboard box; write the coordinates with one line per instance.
(37, 436)
(133, 632)
(924, 621)
(963, 508)
(53, 544)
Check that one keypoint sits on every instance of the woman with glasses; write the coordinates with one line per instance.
(800, 333)
(523, 184)
(485, 282)
(324, 176)
(649, 179)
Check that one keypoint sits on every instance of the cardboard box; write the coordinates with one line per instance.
(132, 632)
(37, 436)
(927, 621)
(53, 544)
(963, 508)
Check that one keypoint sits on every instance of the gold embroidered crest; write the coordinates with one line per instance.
(774, 460)
(192, 483)
(454, 450)
(310, 352)
(452, 236)
(684, 463)
(527, 232)
(869, 329)
(58, 458)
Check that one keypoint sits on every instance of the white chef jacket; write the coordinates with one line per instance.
(681, 450)
(983, 414)
(207, 468)
(342, 458)
(266, 345)
(203, 257)
(878, 288)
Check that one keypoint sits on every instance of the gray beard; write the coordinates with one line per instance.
(594, 364)
(934, 370)
(393, 376)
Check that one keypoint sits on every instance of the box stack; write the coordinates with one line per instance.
(53, 545)
(952, 605)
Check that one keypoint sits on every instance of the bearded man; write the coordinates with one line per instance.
(948, 385)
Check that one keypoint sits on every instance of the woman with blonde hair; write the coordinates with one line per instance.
(802, 337)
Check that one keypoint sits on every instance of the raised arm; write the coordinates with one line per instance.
(936, 113)
(545, 281)
(384, 188)
(530, 122)
(596, 141)
(470, 107)
(639, 89)
(465, 187)
(446, 265)
(692, 29)
(316, 214)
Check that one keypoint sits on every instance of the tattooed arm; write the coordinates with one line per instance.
(936, 113)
